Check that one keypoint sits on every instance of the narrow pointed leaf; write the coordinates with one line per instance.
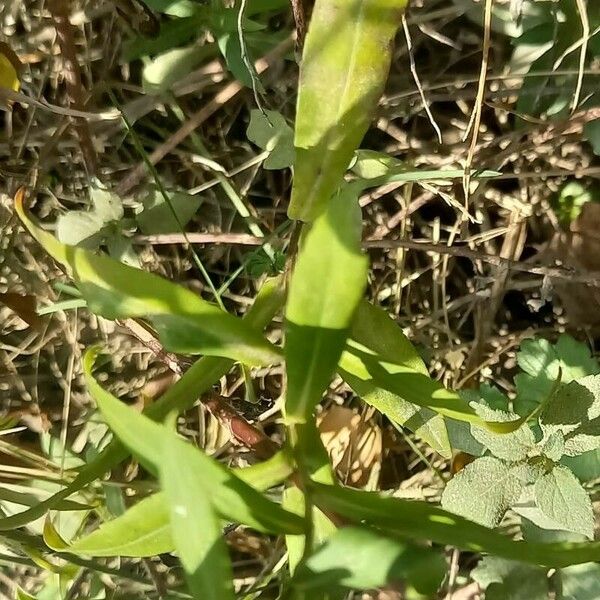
(344, 67)
(421, 520)
(182, 395)
(195, 525)
(232, 498)
(328, 281)
(142, 530)
(184, 322)
(373, 328)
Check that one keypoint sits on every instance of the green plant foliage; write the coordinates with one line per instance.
(570, 201)
(325, 289)
(84, 228)
(195, 526)
(184, 321)
(157, 217)
(344, 67)
(502, 579)
(559, 495)
(580, 582)
(231, 497)
(542, 362)
(142, 530)
(483, 491)
(527, 467)
(375, 330)
(362, 558)
(420, 520)
(270, 131)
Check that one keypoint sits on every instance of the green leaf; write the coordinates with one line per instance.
(483, 491)
(512, 446)
(81, 227)
(23, 595)
(422, 521)
(373, 328)
(542, 363)
(370, 164)
(559, 495)
(502, 579)
(272, 133)
(362, 558)
(574, 411)
(361, 366)
(179, 397)
(323, 528)
(185, 322)
(195, 526)
(142, 530)
(232, 498)
(157, 216)
(325, 289)
(585, 467)
(160, 73)
(580, 582)
(344, 68)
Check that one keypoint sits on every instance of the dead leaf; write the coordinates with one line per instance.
(25, 306)
(579, 248)
(354, 445)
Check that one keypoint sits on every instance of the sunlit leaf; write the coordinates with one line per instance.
(423, 521)
(344, 67)
(195, 526)
(232, 498)
(326, 286)
(373, 328)
(185, 322)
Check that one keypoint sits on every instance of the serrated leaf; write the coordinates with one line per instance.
(344, 67)
(423, 521)
(512, 446)
(559, 495)
(553, 446)
(461, 438)
(232, 498)
(585, 467)
(157, 216)
(362, 558)
(272, 133)
(142, 530)
(195, 526)
(542, 363)
(574, 411)
(185, 322)
(483, 491)
(374, 329)
(327, 284)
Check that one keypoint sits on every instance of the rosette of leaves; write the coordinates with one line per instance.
(533, 470)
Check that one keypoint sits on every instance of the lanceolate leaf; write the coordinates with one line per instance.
(181, 396)
(185, 322)
(344, 67)
(142, 530)
(195, 525)
(232, 498)
(420, 520)
(373, 328)
(326, 286)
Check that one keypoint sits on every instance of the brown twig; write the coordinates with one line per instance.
(64, 31)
